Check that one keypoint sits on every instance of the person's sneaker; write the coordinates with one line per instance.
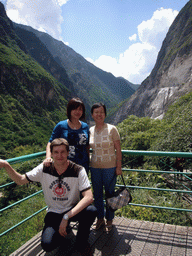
(109, 226)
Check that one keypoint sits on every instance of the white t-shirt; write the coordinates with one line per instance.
(61, 192)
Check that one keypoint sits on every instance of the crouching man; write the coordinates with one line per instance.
(67, 193)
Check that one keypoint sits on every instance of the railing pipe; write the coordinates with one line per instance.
(21, 222)
(158, 189)
(154, 171)
(157, 153)
(124, 152)
(161, 207)
(25, 158)
(8, 184)
(20, 201)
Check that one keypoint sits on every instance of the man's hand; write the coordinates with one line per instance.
(63, 228)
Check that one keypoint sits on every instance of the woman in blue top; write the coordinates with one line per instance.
(75, 132)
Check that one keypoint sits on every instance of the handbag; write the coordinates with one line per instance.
(119, 198)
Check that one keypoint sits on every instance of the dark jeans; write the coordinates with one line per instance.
(103, 178)
(50, 236)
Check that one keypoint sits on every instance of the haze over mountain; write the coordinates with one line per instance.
(170, 78)
(89, 82)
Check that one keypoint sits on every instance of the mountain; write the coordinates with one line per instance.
(171, 75)
(38, 75)
(90, 83)
(31, 100)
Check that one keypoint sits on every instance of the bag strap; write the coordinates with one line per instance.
(123, 180)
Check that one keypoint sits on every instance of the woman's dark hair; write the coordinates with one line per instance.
(74, 103)
(98, 105)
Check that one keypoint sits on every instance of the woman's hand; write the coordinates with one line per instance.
(119, 171)
(47, 162)
(3, 163)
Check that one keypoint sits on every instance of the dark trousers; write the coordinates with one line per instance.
(50, 236)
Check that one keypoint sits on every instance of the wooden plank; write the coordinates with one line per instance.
(166, 241)
(153, 240)
(122, 245)
(140, 238)
(180, 241)
(128, 237)
(189, 241)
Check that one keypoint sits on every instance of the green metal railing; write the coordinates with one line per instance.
(124, 152)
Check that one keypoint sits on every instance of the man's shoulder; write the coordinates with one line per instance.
(73, 169)
(49, 170)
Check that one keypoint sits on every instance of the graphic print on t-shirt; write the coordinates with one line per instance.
(59, 190)
(82, 139)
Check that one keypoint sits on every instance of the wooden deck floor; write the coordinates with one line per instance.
(128, 237)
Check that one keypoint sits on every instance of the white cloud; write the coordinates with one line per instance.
(153, 31)
(137, 62)
(44, 15)
(133, 37)
(62, 2)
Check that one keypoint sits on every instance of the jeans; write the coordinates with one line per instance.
(103, 178)
(50, 236)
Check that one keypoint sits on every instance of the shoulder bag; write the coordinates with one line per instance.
(119, 198)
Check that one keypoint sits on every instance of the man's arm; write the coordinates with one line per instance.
(15, 176)
(86, 200)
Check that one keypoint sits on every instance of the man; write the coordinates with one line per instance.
(67, 193)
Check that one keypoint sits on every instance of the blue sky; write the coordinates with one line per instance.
(119, 36)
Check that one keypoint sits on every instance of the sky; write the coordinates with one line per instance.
(119, 36)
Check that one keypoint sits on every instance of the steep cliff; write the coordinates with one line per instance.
(31, 100)
(170, 78)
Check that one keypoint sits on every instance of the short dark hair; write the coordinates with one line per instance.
(59, 142)
(98, 105)
(74, 103)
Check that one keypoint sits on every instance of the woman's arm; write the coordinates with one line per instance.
(48, 159)
(117, 145)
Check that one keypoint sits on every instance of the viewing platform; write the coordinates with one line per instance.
(128, 237)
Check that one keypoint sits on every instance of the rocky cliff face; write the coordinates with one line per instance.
(170, 78)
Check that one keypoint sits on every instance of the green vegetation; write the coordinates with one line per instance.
(31, 103)
(173, 133)
(151, 197)
(170, 134)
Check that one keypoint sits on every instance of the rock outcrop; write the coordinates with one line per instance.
(170, 78)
